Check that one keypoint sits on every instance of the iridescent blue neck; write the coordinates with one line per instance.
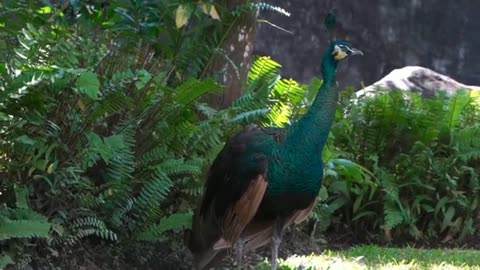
(310, 133)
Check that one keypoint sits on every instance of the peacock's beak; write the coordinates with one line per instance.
(353, 51)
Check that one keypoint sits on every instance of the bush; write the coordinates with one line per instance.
(105, 134)
(424, 154)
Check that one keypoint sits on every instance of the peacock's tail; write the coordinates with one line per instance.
(201, 239)
(211, 235)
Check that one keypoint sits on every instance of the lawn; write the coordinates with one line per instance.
(374, 257)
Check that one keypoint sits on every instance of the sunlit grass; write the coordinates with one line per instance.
(373, 257)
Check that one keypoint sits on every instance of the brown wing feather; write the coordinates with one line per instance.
(259, 234)
(243, 211)
(237, 217)
(300, 215)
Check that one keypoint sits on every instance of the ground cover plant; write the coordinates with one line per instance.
(423, 155)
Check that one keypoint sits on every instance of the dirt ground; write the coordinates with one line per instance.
(300, 243)
(171, 256)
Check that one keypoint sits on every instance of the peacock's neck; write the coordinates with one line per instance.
(309, 134)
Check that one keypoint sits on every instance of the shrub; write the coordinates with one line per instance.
(424, 154)
(105, 134)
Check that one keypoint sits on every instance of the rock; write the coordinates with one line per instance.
(438, 34)
(416, 79)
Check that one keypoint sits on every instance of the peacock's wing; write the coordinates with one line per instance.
(237, 180)
(234, 189)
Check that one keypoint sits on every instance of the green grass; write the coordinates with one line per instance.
(374, 257)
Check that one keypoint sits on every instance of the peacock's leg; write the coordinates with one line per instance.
(240, 245)
(276, 240)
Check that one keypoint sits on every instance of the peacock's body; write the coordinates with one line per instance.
(265, 179)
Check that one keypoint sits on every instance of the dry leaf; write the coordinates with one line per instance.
(388, 235)
(181, 16)
(81, 105)
(51, 168)
(212, 12)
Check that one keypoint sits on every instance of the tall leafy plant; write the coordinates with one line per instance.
(423, 153)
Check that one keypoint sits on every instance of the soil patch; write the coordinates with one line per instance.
(171, 256)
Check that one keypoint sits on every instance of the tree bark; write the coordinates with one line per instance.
(238, 46)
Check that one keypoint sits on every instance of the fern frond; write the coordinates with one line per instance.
(5, 260)
(206, 110)
(468, 142)
(250, 116)
(119, 215)
(23, 263)
(248, 101)
(87, 226)
(122, 163)
(191, 90)
(173, 222)
(155, 155)
(80, 234)
(393, 216)
(10, 229)
(205, 139)
(88, 222)
(290, 90)
(269, 7)
(263, 68)
(110, 103)
(23, 223)
(280, 114)
(175, 167)
(455, 108)
(155, 190)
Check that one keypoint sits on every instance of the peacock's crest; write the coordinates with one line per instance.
(330, 23)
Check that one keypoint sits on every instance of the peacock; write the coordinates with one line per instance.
(265, 179)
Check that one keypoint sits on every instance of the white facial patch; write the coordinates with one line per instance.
(338, 53)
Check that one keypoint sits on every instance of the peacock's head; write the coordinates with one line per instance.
(340, 50)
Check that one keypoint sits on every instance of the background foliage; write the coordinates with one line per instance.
(105, 135)
(423, 154)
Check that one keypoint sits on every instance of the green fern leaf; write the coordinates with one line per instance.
(10, 229)
(468, 142)
(174, 222)
(87, 226)
(393, 217)
(249, 116)
(5, 260)
(455, 109)
(155, 190)
(191, 90)
(263, 70)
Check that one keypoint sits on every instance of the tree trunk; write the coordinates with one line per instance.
(238, 46)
